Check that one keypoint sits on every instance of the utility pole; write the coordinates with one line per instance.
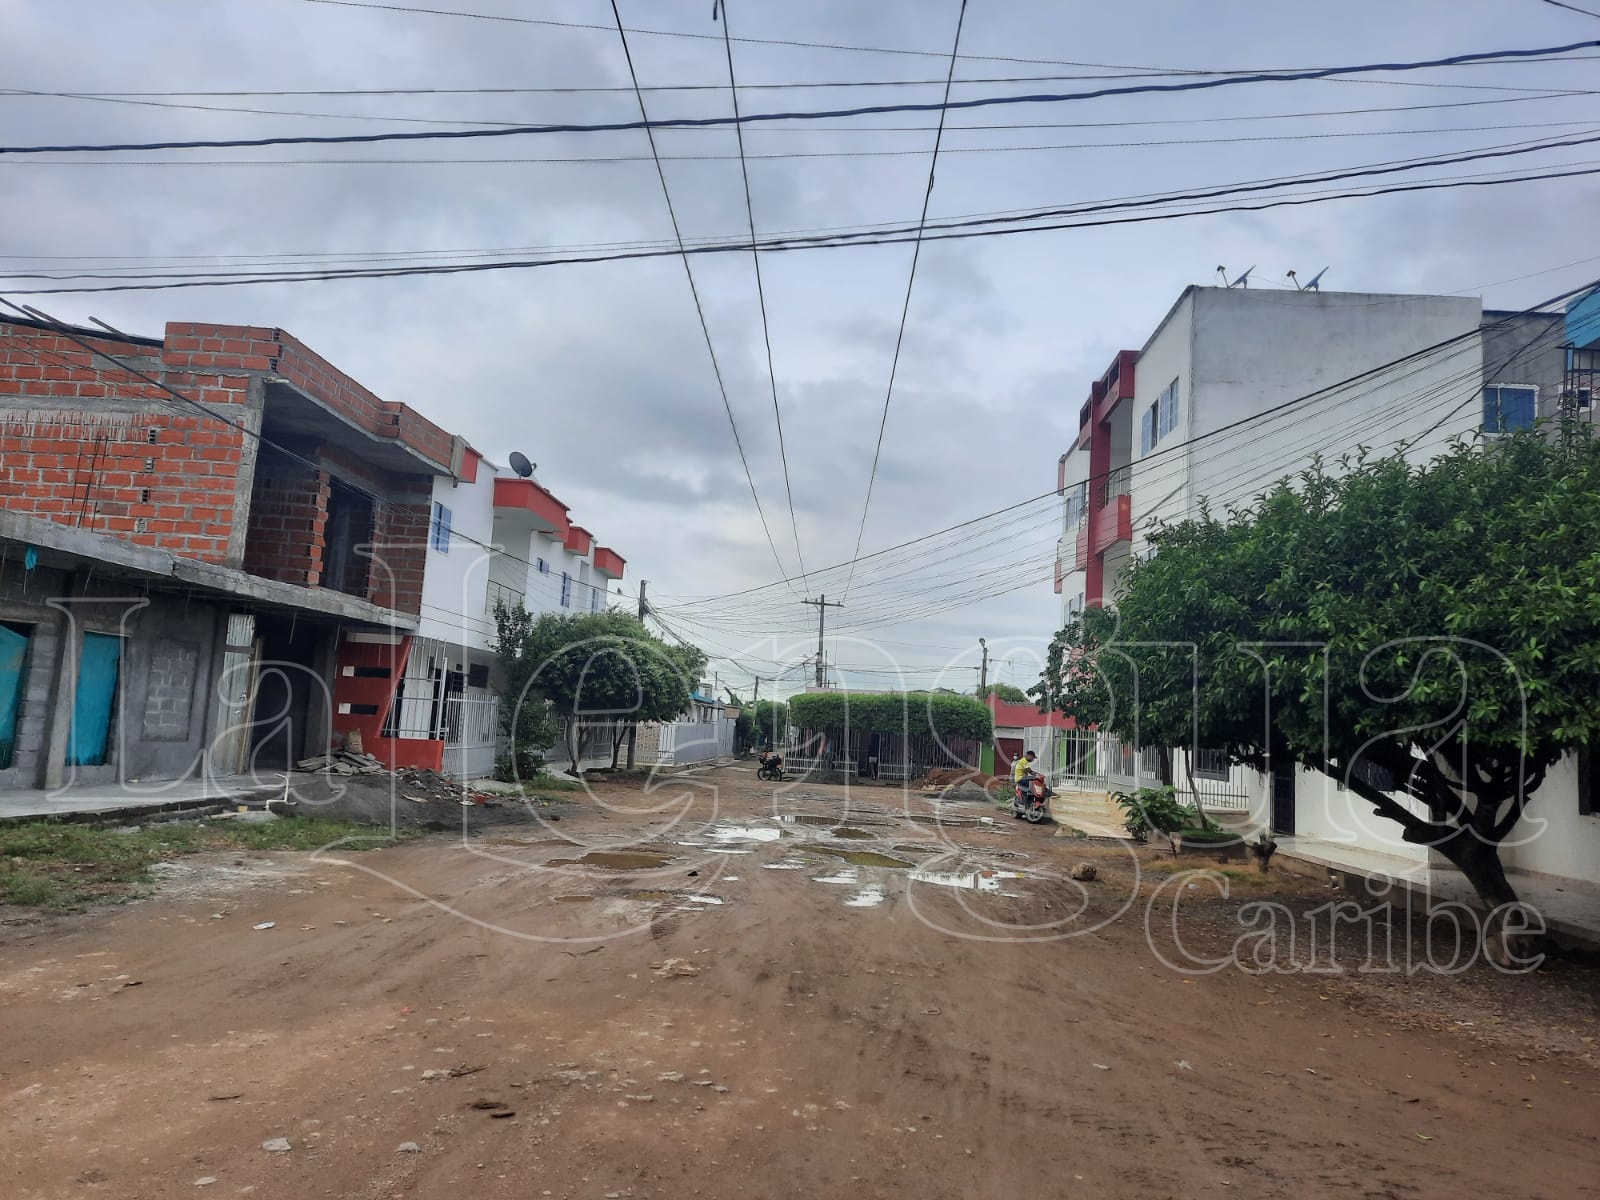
(823, 604)
(983, 671)
(633, 726)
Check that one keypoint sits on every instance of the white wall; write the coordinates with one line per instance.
(1553, 837)
(454, 583)
(1162, 488)
(1256, 349)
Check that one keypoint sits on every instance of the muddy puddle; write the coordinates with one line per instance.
(846, 876)
(662, 896)
(734, 834)
(949, 822)
(976, 880)
(864, 858)
(511, 841)
(868, 897)
(615, 860)
(823, 820)
(572, 899)
(845, 831)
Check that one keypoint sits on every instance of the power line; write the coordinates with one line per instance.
(694, 292)
(945, 106)
(1574, 8)
(761, 291)
(1350, 381)
(947, 232)
(905, 308)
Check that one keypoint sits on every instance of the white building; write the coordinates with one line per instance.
(495, 537)
(1236, 389)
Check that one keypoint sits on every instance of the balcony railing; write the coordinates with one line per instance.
(1118, 482)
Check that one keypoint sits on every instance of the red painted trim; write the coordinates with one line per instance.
(578, 539)
(423, 754)
(608, 562)
(527, 495)
(469, 466)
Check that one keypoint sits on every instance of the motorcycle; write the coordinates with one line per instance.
(771, 768)
(1031, 799)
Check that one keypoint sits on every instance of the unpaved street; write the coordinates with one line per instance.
(771, 1010)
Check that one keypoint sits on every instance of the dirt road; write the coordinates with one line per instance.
(767, 1009)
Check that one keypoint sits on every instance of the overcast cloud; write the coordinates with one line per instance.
(600, 372)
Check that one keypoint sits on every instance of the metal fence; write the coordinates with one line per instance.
(1099, 762)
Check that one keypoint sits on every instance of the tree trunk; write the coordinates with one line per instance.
(616, 747)
(574, 743)
(1480, 862)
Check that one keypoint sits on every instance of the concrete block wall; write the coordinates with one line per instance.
(401, 522)
(85, 444)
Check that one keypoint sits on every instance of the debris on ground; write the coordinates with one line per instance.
(277, 1145)
(408, 1148)
(1085, 872)
(343, 762)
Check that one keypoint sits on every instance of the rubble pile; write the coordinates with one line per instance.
(343, 762)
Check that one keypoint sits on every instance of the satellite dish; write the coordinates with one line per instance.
(520, 464)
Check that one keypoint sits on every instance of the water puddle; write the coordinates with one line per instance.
(615, 860)
(969, 881)
(722, 834)
(949, 822)
(510, 841)
(698, 899)
(822, 819)
(845, 875)
(864, 858)
(787, 864)
(868, 897)
(918, 849)
(572, 899)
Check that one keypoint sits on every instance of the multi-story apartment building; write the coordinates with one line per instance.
(221, 554)
(1238, 388)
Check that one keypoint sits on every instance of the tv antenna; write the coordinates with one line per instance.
(1314, 286)
(521, 465)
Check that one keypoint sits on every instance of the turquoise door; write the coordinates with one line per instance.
(95, 694)
(13, 662)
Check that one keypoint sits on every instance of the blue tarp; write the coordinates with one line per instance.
(93, 698)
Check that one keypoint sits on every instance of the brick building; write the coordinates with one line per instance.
(212, 550)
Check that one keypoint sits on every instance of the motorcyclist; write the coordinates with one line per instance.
(1022, 771)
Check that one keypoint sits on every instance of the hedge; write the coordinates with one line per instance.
(915, 713)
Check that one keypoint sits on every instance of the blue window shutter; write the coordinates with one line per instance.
(1517, 407)
(566, 590)
(1491, 410)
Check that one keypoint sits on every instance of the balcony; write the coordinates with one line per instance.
(578, 540)
(1112, 524)
(608, 562)
(548, 514)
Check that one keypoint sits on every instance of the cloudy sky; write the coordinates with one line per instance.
(600, 372)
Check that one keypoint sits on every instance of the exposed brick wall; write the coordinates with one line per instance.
(400, 527)
(288, 515)
(146, 468)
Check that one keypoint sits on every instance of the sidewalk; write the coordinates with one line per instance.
(78, 803)
(1570, 910)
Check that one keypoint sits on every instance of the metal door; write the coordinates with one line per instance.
(1283, 776)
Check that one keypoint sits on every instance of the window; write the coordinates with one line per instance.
(1507, 407)
(566, 590)
(1167, 410)
(1211, 764)
(544, 567)
(1077, 503)
(594, 599)
(1147, 430)
(441, 528)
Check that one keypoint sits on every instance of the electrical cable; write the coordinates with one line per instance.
(840, 242)
(761, 292)
(945, 106)
(905, 308)
(694, 292)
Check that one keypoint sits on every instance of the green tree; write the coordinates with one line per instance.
(1010, 693)
(567, 672)
(1436, 621)
(916, 713)
(771, 721)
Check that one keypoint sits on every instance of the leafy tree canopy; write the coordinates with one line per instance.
(1438, 621)
(598, 666)
(1010, 693)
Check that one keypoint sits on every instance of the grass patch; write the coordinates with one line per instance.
(48, 865)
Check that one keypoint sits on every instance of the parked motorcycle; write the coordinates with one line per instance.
(771, 768)
(1031, 800)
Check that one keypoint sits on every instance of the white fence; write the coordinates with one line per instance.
(684, 742)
